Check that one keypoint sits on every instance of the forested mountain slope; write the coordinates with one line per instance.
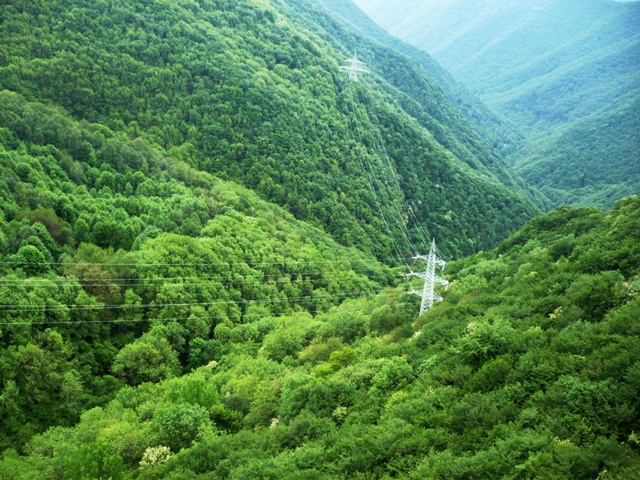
(528, 369)
(251, 91)
(159, 320)
(545, 66)
(500, 133)
(120, 264)
(501, 48)
(610, 137)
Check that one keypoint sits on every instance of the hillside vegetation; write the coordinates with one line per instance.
(529, 369)
(130, 266)
(566, 74)
(556, 164)
(195, 282)
(124, 260)
(501, 134)
(252, 92)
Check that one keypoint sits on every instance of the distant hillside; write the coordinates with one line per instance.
(543, 65)
(252, 92)
(500, 133)
(593, 161)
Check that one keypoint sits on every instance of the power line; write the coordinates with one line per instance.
(398, 216)
(428, 293)
(227, 264)
(378, 131)
(71, 308)
(142, 320)
(96, 282)
(377, 138)
(370, 181)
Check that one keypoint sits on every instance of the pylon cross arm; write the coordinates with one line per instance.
(352, 68)
(419, 275)
(441, 280)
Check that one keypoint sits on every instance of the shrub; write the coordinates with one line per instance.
(179, 426)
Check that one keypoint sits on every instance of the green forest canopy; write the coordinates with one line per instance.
(567, 75)
(243, 91)
(160, 322)
(529, 368)
(99, 256)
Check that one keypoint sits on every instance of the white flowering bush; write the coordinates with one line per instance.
(154, 456)
(339, 414)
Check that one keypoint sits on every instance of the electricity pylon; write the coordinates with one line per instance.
(430, 278)
(355, 67)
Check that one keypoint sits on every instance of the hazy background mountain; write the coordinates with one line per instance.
(567, 74)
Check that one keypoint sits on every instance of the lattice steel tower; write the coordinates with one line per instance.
(430, 278)
(355, 67)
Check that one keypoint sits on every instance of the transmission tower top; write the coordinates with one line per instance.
(430, 278)
(355, 66)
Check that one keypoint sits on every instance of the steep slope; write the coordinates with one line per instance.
(428, 102)
(501, 134)
(543, 65)
(119, 264)
(594, 161)
(529, 369)
(249, 92)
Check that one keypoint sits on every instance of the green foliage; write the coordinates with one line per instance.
(485, 339)
(97, 263)
(178, 426)
(596, 294)
(214, 85)
(31, 259)
(569, 165)
(149, 359)
(283, 342)
(529, 367)
(94, 461)
(347, 326)
(492, 375)
(395, 374)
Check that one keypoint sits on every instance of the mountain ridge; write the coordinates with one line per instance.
(488, 123)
